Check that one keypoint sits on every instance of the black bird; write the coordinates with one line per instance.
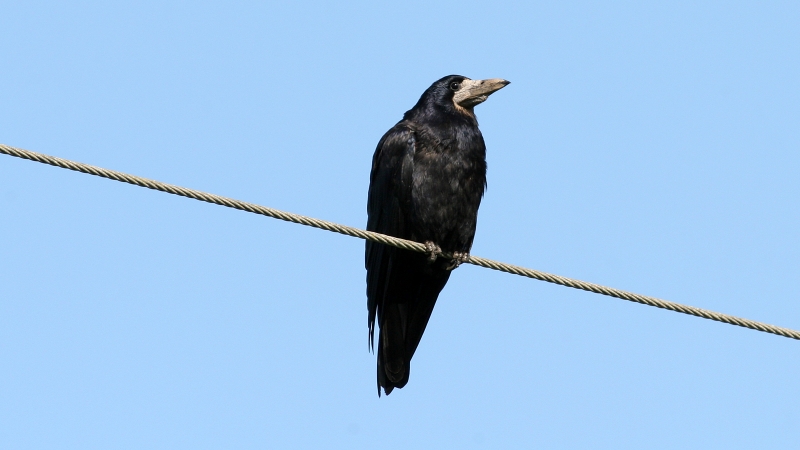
(428, 177)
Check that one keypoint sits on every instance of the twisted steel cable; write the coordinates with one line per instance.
(393, 241)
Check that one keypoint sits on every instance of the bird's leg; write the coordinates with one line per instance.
(458, 259)
(432, 250)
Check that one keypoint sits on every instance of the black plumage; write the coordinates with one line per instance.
(428, 178)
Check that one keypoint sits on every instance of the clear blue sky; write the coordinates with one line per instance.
(650, 147)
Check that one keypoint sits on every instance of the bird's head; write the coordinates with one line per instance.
(459, 94)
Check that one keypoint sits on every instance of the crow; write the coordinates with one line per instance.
(428, 177)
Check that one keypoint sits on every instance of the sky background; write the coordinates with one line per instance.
(648, 146)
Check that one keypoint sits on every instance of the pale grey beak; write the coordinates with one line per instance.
(474, 92)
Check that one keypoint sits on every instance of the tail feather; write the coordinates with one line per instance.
(393, 370)
(412, 289)
(393, 357)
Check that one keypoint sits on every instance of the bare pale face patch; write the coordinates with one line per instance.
(474, 92)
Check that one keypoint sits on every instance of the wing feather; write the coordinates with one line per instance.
(387, 206)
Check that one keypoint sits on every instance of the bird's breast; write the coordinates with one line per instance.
(446, 193)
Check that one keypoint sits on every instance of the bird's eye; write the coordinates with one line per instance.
(455, 85)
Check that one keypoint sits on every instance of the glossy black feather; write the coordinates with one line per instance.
(428, 178)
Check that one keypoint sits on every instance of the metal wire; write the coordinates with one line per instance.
(393, 241)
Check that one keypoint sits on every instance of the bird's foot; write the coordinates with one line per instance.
(432, 250)
(458, 259)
